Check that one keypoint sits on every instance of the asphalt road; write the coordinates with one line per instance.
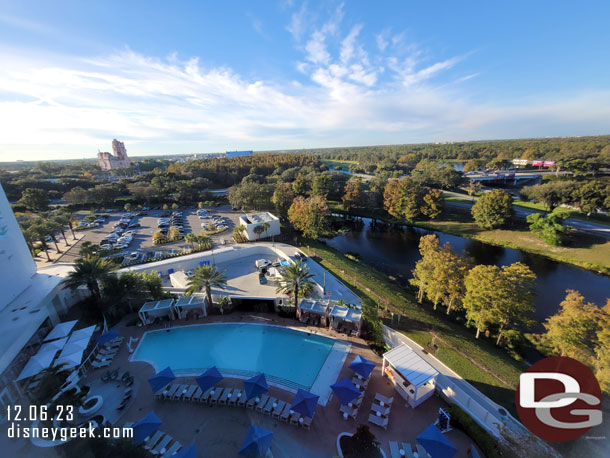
(521, 212)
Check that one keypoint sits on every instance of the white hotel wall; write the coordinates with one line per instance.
(16, 264)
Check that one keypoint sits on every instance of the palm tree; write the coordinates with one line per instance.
(206, 277)
(190, 238)
(88, 272)
(266, 227)
(62, 221)
(295, 280)
(204, 241)
(88, 250)
(258, 230)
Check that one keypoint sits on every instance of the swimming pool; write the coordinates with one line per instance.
(286, 357)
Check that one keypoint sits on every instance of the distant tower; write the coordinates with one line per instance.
(119, 159)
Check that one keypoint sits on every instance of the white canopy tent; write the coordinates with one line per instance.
(156, 309)
(310, 309)
(61, 330)
(37, 363)
(347, 318)
(412, 376)
(74, 346)
(184, 304)
(55, 345)
(71, 359)
(84, 333)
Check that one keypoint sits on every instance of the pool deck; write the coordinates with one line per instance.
(219, 430)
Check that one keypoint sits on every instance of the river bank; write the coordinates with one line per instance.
(586, 251)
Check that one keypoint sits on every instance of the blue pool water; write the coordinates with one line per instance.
(285, 356)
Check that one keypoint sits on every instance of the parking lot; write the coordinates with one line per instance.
(142, 238)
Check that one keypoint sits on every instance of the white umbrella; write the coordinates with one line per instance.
(71, 360)
(84, 333)
(37, 363)
(61, 330)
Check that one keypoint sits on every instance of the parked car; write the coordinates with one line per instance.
(134, 225)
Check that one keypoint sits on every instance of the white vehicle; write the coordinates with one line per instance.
(133, 256)
(106, 246)
(128, 233)
(121, 246)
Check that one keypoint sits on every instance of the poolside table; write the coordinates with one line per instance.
(285, 413)
(172, 389)
(225, 396)
(260, 405)
(277, 410)
(179, 392)
(215, 395)
(269, 406)
(382, 399)
(196, 395)
(384, 411)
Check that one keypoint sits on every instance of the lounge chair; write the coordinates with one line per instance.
(384, 411)
(277, 410)
(125, 376)
(251, 403)
(381, 398)
(269, 406)
(217, 393)
(129, 381)
(179, 392)
(421, 451)
(176, 446)
(285, 415)
(170, 393)
(105, 377)
(161, 392)
(379, 421)
(234, 397)
(394, 450)
(241, 399)
(348, 412)
(294, 418)
(100, 364)
(152, 441)
(189, 393)
(161, 446)
(408, 450)
(224, 398)
(195, 396)
(260, 405)
(205, 397)
(114, 375)
(305, 422)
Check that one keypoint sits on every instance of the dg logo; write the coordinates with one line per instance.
(559, 399)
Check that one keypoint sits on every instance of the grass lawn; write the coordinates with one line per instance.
(488, 368)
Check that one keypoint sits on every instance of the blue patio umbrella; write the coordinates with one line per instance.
(255, 386)
(146, 427)
(362, 366)
(256, 443)
(187, 452)
(305, 403)
(435, 443)
(345, 390)
(161, 379)
(209, 378)
(107, 336)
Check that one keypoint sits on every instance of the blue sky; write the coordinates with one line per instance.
(196, 77)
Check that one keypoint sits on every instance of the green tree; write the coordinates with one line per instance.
(549, 227)
(433, 203)
(258, 230)
(602, 355)
(301, 185)
(128, 207)
(572, 331)
(35, 199)
(205, 242)
(88, 272)
(590, 196)
(296, 281)
(310, 216)
(499, 297)
(62, 220)
(88, 250)
(250, 195)
(205, 278)
(493, 209)
(282, 199)
(424, 268)
(190, 238)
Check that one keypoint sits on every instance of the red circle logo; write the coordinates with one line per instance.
(559, 399)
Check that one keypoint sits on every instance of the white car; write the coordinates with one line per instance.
(133, 256)
(106, 246)
(128, 233)
(121, 246)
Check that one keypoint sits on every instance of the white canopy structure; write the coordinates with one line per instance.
(84, 333)
(37, 363)
(55, 345)
(73, 346)
(412, 376)
(346, 318)
(71, 359)
(156, 309)
(184, 304)
(61, 330)
(317, 311)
